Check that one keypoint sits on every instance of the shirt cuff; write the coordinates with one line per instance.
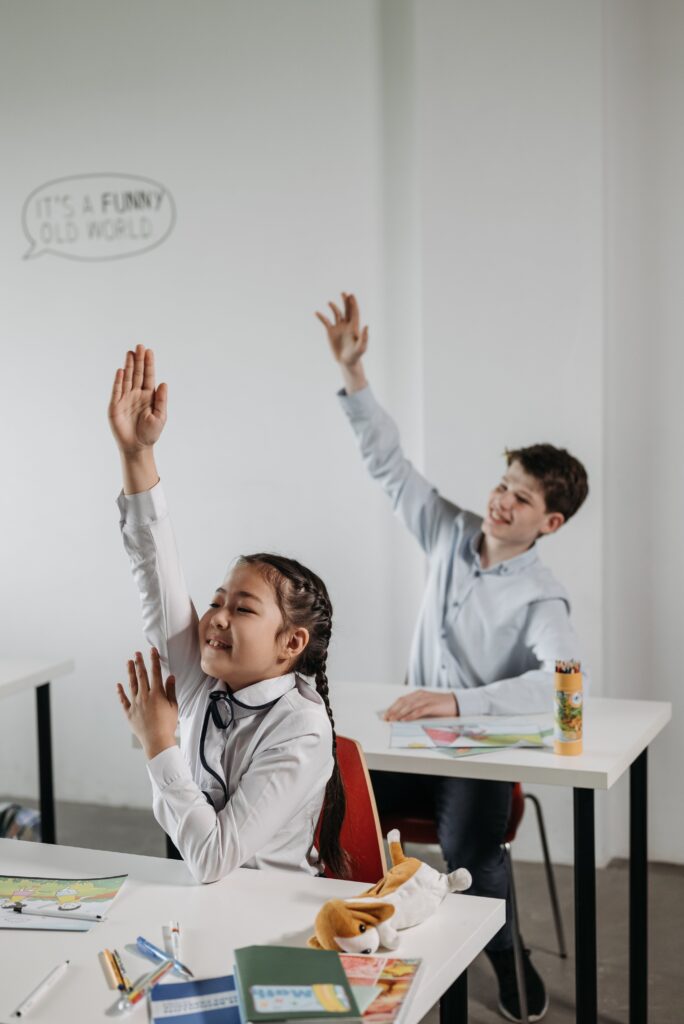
(168, 767)
(359, 403)
(143, 508)
(472, 702)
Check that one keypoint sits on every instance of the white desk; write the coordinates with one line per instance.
(17, 674)
(268, 907)
(616, 738)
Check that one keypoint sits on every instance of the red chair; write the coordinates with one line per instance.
(423, 830)
(360, 835)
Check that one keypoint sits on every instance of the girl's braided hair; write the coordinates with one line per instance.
(304, 602)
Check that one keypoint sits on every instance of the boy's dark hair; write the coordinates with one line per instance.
(562, 477)
(303, 601)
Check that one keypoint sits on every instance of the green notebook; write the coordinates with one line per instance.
(282, 983)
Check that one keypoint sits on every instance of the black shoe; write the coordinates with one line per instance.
(503, 962)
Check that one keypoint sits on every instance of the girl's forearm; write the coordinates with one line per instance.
(139, 471)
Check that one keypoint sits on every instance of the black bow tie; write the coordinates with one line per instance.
(223, 709)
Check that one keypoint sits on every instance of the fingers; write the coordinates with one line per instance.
(354, 310)
(157, 683)
(128, 372)
(138, 366)
(338, 316)
(324, 320)
(141, 669)
(148, 371)
(117, 387)
(160, 402)
(347, 305)
(132, 679)
(125, 702)
(171, 691)
(408, 708)
(363, 343)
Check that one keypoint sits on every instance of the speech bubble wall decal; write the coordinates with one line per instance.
(97, 217)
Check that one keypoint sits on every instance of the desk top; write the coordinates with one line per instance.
(269, 907)
(615, 733)
(18, 674)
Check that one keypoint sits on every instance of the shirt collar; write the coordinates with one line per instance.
(511, 565)
(261, 693)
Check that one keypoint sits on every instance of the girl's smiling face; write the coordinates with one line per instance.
(242, 639)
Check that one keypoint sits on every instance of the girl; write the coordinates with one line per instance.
(257, 742)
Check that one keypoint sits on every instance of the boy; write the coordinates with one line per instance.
(492, 623)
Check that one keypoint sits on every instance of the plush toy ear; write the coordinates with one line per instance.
(313, 943)
(370, 913)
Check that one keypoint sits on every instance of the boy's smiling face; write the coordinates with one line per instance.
(516, 510)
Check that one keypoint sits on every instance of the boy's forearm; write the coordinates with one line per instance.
(354, 377)
(139, 471)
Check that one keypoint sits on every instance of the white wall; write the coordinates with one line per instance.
(511, 199)
(264, 122)
(498, 182)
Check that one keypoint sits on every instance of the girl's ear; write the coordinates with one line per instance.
(296, 641)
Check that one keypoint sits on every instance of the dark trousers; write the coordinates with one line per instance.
(471, 817)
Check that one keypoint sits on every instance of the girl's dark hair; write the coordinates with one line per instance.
(303, 601)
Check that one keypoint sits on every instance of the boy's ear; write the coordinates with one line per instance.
(554, 521)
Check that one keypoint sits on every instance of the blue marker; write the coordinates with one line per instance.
(154, 953)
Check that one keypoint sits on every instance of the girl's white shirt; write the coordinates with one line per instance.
(275, 761)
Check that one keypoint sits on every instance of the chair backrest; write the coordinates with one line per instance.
(415, 829)
(360, 835)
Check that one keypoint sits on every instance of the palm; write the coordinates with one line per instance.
(347, 340)
(343, 343)
(137, 410)
(134, 421)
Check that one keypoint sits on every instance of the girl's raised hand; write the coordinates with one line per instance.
(151, 708)
(348, 340)
(137, 409)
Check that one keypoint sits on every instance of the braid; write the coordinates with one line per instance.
(304, 601)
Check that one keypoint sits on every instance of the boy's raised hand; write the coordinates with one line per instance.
(348, 340)
(137, 409)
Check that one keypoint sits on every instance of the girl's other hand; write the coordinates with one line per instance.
(151, 709)
(137, 409)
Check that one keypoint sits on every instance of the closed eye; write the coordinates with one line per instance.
(249, 611)
(214, 605)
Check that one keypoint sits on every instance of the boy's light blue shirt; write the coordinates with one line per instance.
(491, 635)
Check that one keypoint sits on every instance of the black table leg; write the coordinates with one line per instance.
(453, 1006)
(638, 891)
(47, 799)
(586, 1000)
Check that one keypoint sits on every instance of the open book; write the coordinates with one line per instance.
(465, 735)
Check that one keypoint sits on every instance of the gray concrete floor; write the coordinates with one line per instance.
(135, 831)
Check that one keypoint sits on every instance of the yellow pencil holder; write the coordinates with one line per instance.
(567, 733)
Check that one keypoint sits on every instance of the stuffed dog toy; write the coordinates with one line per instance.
(410, 891)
